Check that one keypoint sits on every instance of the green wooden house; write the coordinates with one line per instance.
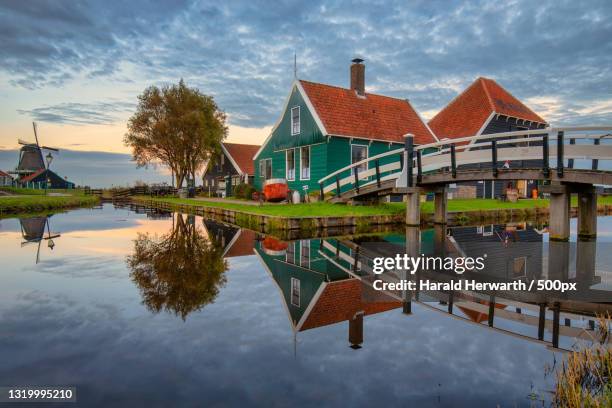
(323, 128)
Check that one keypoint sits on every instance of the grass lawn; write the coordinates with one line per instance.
(293, 210)
(38, 203)
(39, 192)
(328, 209)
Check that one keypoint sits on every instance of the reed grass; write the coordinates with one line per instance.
(585, 377)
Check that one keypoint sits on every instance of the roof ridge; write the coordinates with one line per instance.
(240, 144)
(483, 83)
(349, 89)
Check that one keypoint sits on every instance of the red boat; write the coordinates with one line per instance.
(275, 190)
(274, 247)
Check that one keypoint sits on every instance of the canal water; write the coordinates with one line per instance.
(138, 308)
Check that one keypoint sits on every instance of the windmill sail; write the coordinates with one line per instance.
(31, 158)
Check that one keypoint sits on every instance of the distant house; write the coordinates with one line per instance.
(44, 178)
(484, 108)
(234, 166)
(323, 128)
(5, 179)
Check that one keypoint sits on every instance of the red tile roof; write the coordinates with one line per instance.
(467, 113)
(243, 246)
(243, 154)
(32, 176)
(375, 117)
(341, 300)
(3, 174)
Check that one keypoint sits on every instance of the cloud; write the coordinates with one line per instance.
(99, 113)
(242, 53)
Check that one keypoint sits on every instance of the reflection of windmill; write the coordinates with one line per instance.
(33, 232)
(31, 158)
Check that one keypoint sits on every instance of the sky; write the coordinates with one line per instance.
(76, 68)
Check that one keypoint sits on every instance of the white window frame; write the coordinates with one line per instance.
(287, 175)
(295, 283)
(488, 230)
(351, 157)
(309, 162)
(262, 168)
(305, 248)
(290, 253)
(299, 121)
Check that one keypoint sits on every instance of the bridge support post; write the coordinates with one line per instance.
(559, 224)
(413, 249)
(441, 206)
(413, 206)
(587, 214)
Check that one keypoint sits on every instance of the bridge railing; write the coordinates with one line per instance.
(556, 148)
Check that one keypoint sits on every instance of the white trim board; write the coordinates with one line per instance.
(298, 86)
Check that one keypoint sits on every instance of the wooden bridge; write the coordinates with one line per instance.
(567, 160)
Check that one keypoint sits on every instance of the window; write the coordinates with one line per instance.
(487, 230)
(305, 253)
(265, 168)
(268, 169)
(295, 120)
(359, 153)
(305, 162)
(295, 292)
(290, 156)
(290, 253)
(519, 267)
(220, 163)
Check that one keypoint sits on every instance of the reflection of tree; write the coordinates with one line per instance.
(180, 272)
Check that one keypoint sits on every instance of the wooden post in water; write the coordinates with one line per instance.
(541, 321)
(413, 249)
(587, 214)
(441, 205)
(559, 228)
(555, 333)
(413, 204)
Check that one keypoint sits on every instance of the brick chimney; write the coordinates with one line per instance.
(358, 76)
(356, 331)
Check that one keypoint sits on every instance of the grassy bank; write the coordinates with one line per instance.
(342, 210)
(293, 210)
(36, 203)
(39, 192)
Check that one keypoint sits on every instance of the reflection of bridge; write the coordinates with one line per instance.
(568, 160)
(527, 314)
(329, 281)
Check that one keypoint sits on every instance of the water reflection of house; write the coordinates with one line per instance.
(236, 241)
(318, 291)
(514, 251)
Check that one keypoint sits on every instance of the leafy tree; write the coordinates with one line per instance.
(177, 126)
(179, 272)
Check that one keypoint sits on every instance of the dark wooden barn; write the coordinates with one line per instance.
(485, 107)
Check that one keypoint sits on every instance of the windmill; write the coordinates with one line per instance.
(31, 158)
(33, 232)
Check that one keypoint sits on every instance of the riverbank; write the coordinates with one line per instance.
(306, 219)
(31, 201)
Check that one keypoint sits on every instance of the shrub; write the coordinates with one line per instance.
(243, 190)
